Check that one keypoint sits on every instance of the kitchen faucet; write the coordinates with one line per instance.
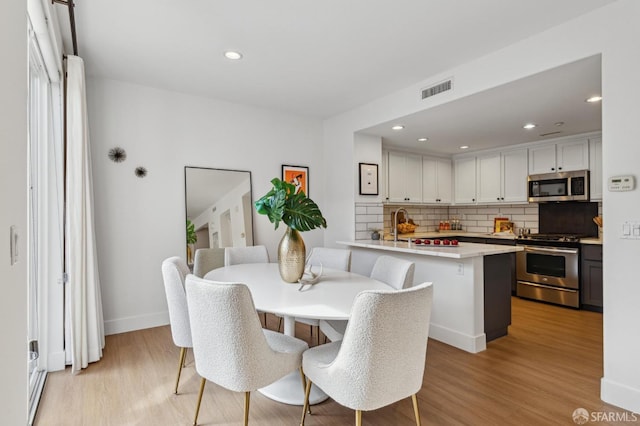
(395, 222)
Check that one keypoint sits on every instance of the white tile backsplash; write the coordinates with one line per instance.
(371, 216)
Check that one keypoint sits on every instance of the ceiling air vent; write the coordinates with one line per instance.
(437, 89)
(550, 133)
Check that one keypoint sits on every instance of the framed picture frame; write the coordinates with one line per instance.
(298, 176)
(502, 224)
(368, 181)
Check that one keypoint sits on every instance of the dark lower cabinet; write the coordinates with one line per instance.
(499, 274)
(465, 239)
(591, 278)
(482, 240)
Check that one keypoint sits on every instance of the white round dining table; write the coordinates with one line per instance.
(330, 298)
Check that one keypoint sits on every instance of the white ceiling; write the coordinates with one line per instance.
(311, 58)
(494, 118)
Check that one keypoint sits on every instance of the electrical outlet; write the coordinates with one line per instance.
(460, 269)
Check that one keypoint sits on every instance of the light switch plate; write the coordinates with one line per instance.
(631, 230)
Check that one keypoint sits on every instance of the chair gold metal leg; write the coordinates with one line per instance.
(358, 418)
(304, 381)
(202, 383)
(414, 399)
(304, 387)
(247, 397)
(183, 354)
(305, 407)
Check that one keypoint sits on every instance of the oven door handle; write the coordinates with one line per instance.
(532, 249)
(566, 290)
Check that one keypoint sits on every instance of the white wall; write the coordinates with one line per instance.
(13, 193)
(611, 31)
(368, 149)
(140, 222)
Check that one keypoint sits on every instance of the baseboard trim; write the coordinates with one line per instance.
(138, 322)
(473, 344)
(620, 395)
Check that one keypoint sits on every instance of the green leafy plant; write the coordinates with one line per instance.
(296, 210)
(192, 238)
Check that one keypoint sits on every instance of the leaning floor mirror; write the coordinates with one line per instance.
(218, 208)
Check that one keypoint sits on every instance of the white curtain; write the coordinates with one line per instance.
(83, 303)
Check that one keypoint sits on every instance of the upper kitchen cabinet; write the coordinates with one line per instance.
(595, 168)
(404, 176)
(502, 177)
(559, 157)
(436, 180)
(464, 170)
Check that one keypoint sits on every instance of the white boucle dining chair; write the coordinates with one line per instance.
(249, 254)
(174, 272)
(381, 359)
(332, 258)
(230, 347)
(207, 259)
(398, 273)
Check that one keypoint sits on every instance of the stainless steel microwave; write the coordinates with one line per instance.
(561, 186)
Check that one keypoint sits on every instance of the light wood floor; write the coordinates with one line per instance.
(549, 365)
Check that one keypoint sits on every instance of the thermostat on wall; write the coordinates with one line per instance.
(622, 183)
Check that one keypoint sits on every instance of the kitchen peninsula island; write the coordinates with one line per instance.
(471, 285)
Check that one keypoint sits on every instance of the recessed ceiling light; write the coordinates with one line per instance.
(559, 123)
(464, 147)
(593, 99)
(233, 55)
(398, 127)
(529, 126)
(423, 139)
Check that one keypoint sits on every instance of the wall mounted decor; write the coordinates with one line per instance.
(298, 176)
(368, 179)
(117, 154)
(141, 172)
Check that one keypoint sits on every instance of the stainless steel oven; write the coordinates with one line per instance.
(549, 273)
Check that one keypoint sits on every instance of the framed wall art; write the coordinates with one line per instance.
(502, 224)
(368, 179)
(298, 176)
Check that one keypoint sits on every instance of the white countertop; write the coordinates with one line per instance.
(594, 240)
(461, 251)
(449, 234)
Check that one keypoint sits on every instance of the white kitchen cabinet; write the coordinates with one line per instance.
(559, 157)
(404, 177)
(514, 176)
(489, 178)
(502, 177)
(464, 170)
(595, 168)
(436, 180)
